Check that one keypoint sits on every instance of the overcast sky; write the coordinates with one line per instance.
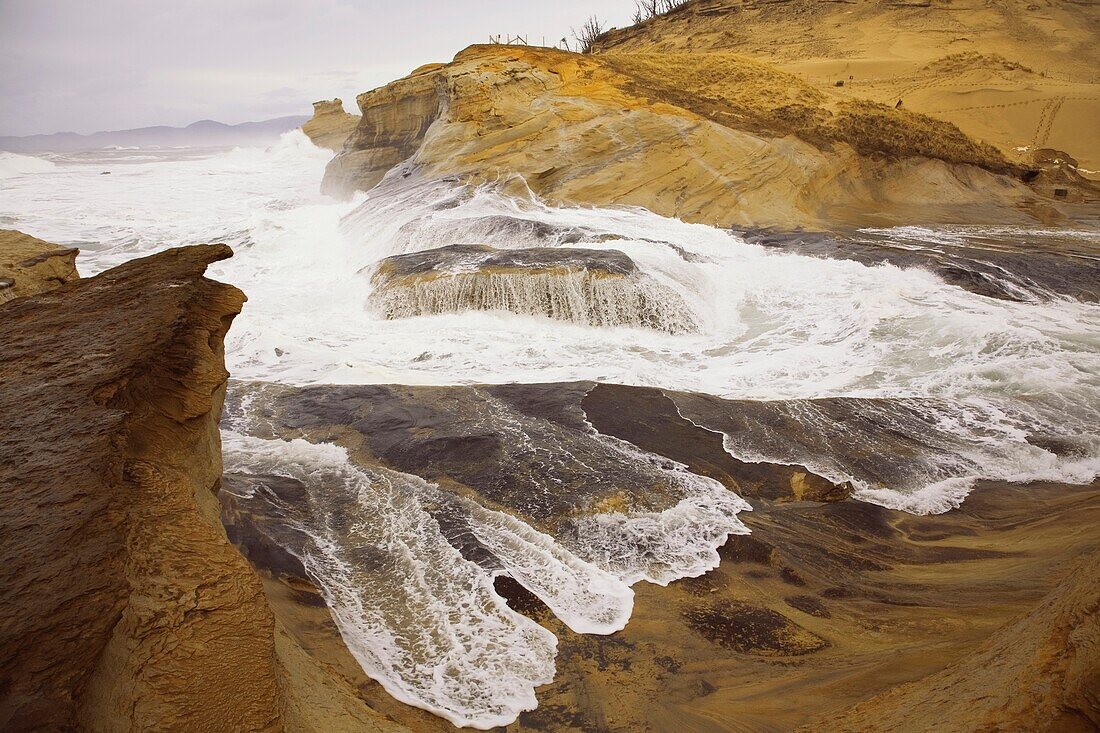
(89, 65)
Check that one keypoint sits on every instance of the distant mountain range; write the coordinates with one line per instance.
(205, 133)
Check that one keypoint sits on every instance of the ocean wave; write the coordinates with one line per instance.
(12, 165)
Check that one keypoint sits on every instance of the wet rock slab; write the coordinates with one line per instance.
(589, 286)
(465, 258)
(1024, 266)
(501, 440)
(826, 604)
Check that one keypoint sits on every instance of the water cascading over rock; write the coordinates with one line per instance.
(585, 286)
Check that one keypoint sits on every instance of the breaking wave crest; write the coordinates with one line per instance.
(12, 165)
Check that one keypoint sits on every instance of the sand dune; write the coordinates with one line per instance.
(1022, 76)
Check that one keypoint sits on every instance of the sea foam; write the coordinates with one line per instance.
(424, 620)
(12, 165)
(769, 325)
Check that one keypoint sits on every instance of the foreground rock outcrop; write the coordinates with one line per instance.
(330, 125)
(29, 265)
(124, 607)
(714, 138)
(1052, 649)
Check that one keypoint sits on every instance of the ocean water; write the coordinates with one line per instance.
(987, 388)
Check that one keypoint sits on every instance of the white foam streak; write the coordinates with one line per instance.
(417, 616)
(660, 547)
(587, 599)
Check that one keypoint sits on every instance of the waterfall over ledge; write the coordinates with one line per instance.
(585, 286)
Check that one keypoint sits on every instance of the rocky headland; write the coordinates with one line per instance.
(330, 125)
(718, 139)
(788, 114)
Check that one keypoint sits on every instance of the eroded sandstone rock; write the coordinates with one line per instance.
(589, 286)
(330, 125)
(1017, 74)
(719, 139)
(124, 606)
(29, 265)
(1038, 673)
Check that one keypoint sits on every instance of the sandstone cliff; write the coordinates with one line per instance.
(29, 265)
(713, 138)
(330, 125)
(124, 607)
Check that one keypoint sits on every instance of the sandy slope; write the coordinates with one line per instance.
(1018, 74)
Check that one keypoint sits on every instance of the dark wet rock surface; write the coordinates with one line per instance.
(823, 605)
(476, 257)
(752, 630)
(651, 420)
(1008, 266)
(475, 436)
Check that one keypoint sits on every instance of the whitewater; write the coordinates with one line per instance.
(986, 386)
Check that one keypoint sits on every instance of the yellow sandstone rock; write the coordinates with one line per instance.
(29, 265)
(330, 125)
(713, 138)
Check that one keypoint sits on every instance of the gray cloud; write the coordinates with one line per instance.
(73, 65)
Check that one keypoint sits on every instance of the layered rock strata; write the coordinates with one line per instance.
(330, 125)
(29, 265)
(124, 607)
(713, 138)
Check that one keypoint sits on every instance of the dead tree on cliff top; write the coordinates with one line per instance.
(646, 9)
(589, 32)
